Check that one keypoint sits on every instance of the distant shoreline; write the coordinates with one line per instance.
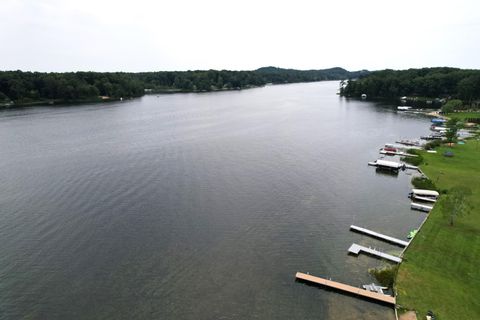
(19, 88)
(100, 100)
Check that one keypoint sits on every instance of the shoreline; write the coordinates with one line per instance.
(100, 99)
(420, 281)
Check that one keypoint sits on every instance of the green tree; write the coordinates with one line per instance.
(219, 83)
(469, 88)
(451, 106)
(452, 129)
(3, 97)
(455, 204)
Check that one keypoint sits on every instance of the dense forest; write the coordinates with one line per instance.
(21, 88)
(426, 82)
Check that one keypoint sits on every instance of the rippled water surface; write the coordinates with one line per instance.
(196, 206)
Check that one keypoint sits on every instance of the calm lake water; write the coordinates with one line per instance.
(197, 206)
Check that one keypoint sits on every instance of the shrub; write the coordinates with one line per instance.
(385, 275)
(423, 183)
(451, 106)
(416, 161)
(433, 144)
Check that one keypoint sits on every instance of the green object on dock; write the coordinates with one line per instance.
(412, 234)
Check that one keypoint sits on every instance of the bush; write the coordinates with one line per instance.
(385, 275)
(451, 106)
(416, 161)
(433, 144)
(423, 183)
(3, 97)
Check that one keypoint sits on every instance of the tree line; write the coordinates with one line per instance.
(426, 82)
(18, 87)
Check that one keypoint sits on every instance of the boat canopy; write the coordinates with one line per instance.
(389, 164)
(427, 193)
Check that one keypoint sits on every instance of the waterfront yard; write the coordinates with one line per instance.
(465, 115)
(441, 269)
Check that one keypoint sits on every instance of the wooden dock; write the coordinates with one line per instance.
(409, 166)
(346, 288)
(379, 236)
(356, 249)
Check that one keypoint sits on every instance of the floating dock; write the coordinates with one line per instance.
(379, 236)
(420, 207)
(396, 153)
(346, 288)
(356, 249)
(425, 193)
(410, 143)
(426, 199)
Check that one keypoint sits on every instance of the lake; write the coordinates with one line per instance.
(197, 206)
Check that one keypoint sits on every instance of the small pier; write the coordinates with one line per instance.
(346, 288)
(426, 199)
(379, 236)
(356, 249)
(420, 207)
(396, 153)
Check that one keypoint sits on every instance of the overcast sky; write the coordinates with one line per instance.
(143, 35)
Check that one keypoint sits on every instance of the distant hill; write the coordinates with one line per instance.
(279, 75)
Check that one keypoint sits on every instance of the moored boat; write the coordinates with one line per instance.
(409, 142)
(424, 193)
(391, 165)
(438, 121)
(438, 136)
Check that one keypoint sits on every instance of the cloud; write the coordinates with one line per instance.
(55, 35)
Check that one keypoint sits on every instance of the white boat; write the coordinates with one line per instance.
(389, 153)
(438, 129)
(404, 108)
(436, 136)
(387, 164)
(432, 194)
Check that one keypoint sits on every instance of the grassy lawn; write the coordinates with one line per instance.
(441, 269)
(464, 115)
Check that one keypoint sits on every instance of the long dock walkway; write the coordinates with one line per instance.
(346, 288)
(379, 236)
(396, 153)
(356, 249)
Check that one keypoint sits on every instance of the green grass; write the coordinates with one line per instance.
(441, 269)
(464, 115)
